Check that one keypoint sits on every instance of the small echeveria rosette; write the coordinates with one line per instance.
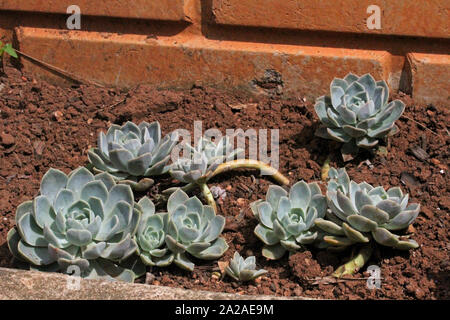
(360, 212)
(151, 236)
(79, 220)
(357, 113)
(131, 153)
(286, 221)
(203, 159)
(243, 270)
(193, 228)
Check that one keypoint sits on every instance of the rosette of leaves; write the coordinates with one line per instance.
(357, 113)
(78, 220)
(151, 236)
(360, 212)
(131, 153)
(243, 270)
(193, 228)
(286, 220)
(203, 159)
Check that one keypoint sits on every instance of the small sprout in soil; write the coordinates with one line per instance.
(360, 212)
(286, 221)
(193, 228)
(131, 153)
(243, 270)
(7, 48)
(151, 236)
(357, 113)
(218, 193)
(78, 220)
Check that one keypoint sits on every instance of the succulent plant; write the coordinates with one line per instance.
(286, 220)
(131, 152)
(361, 211)
(357, 113)
(203, 159)
(193, 228)
(243, 270)
(78, 220)
(151, 236)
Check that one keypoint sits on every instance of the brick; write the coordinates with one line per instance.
(171, 62)
(430, 80)
(172, 10)
(428, 18)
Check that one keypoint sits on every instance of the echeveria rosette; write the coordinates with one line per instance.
(203, 159)
(286, 221)
(243, 270)
(131, 153)
(357, 113)
(151, 236)
(193, 228)
(78, 219)
(360, 212)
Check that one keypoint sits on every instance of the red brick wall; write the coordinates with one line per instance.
(296, 45)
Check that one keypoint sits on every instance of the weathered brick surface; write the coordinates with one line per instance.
(294, 54)
(143, 9)
(167, 63)
(430, 78)
(428, 18)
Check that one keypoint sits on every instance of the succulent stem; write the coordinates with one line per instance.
(325, 169)
(252, 164)
(208, 196)
(355, 263)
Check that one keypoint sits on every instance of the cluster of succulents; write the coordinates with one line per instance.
(131, 153)
(93, 222)
(241, 269)
(357, 113)
(361, 212)
(286, 220)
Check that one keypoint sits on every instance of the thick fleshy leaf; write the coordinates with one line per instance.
(300, 195)
(177, 198)
(338, 241)
(94, 250)
(274, 193)
(353, 131)
(183, 262)
(330, 227)
(120, 158)
(23, 208)
(362, 199)
(390, 207)
(139, 165)
(215, 251)
(217, 224)
(265, 214)
(345, 204)
(78, 237)
(273, 252)
(35, 255)
(336, 95)
(266, 235)
(52, 182)
(78, 179)
(43, 212)
(118, 193)
(347, 115)
(369, 84)
(338, 135)
(30, 232)
(361, 223)
(403, 219)
(290, 244)
(384, 237)
(95, 189)
(12, 239)
(353, 234)
(56, 238)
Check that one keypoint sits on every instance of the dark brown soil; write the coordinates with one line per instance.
(44, 126)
